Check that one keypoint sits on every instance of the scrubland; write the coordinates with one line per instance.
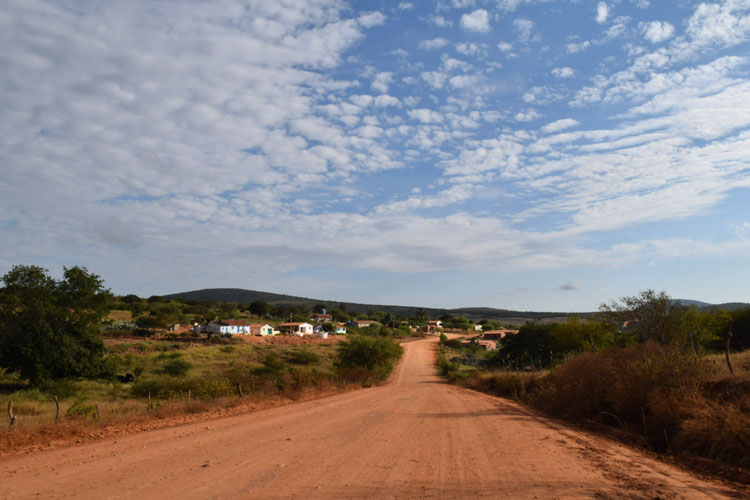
(660, 397)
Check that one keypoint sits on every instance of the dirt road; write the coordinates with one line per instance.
(415, 437)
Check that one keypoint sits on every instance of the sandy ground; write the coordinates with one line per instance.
(415, 437)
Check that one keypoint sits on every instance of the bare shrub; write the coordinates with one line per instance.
(717, 431)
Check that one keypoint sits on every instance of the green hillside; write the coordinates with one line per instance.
(242, 296)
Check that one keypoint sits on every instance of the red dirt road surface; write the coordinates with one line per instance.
(415, 437)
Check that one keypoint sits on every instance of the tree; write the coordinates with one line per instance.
(649, 315)
(319, 308)
(701, 328)
(50, 329)
(131, 299)
(260, 308)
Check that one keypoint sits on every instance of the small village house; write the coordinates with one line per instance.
(230, 326)
(321, 318)
(497, 334)
(361, 323)
(298, 329)
(261, 330)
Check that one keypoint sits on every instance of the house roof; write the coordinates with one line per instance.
(501, 333)
(294, 324)
(259, 325)
(233, 322)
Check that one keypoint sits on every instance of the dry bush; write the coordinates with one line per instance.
(512, 385)
(720, 431)
(617, 385)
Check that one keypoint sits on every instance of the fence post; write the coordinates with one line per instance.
(11, 415)
(57, 409)
(729, 339)
(239, 389)
(188, 400)
(98, 415)
(149, 402)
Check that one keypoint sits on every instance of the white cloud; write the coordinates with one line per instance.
(425, 115)
(528, 115)
(564, 72)
(657, 31)
(602, 12)
(469, 48)
(478, 21)
(441, 21)
(450, 64)
(504, 47)
(405, 6)
(435, 43)
(726, 24)
(370, 19)
(463, 81)
(559, 125)
(381, 81)
(436, 79)
(576, 47)
(525, 29)
(385, 100)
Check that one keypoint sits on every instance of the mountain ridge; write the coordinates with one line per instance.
(244, 296)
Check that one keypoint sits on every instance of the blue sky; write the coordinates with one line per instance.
(521, 154)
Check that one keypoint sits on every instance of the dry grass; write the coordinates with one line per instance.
(658, 392)
(28, 436)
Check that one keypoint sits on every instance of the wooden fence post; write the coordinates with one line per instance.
(149, 402)
(729, 339)
(98, 415)
(11, 415)
(239, 389)
(57, 409)
(188, 399)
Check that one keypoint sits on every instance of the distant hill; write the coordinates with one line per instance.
(727, 306)
(242, 296)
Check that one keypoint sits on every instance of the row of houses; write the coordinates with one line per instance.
(243, 327)
(240, 327)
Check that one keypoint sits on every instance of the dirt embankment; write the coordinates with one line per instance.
(414, 437)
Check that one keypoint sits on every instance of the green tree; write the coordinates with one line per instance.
(377, 354)
(131, 299)
(260, 308)
(700, 328)
(421, 315)
(50, 329)
(649, 315)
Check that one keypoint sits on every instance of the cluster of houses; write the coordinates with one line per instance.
(315, 327)
(300, 329)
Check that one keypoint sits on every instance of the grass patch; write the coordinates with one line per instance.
(168, 372)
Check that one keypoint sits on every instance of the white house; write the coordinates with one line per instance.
(261, 330)
(298, 329)
(231, 326)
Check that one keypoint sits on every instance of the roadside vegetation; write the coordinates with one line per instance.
(647, 367)
(57, 377)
